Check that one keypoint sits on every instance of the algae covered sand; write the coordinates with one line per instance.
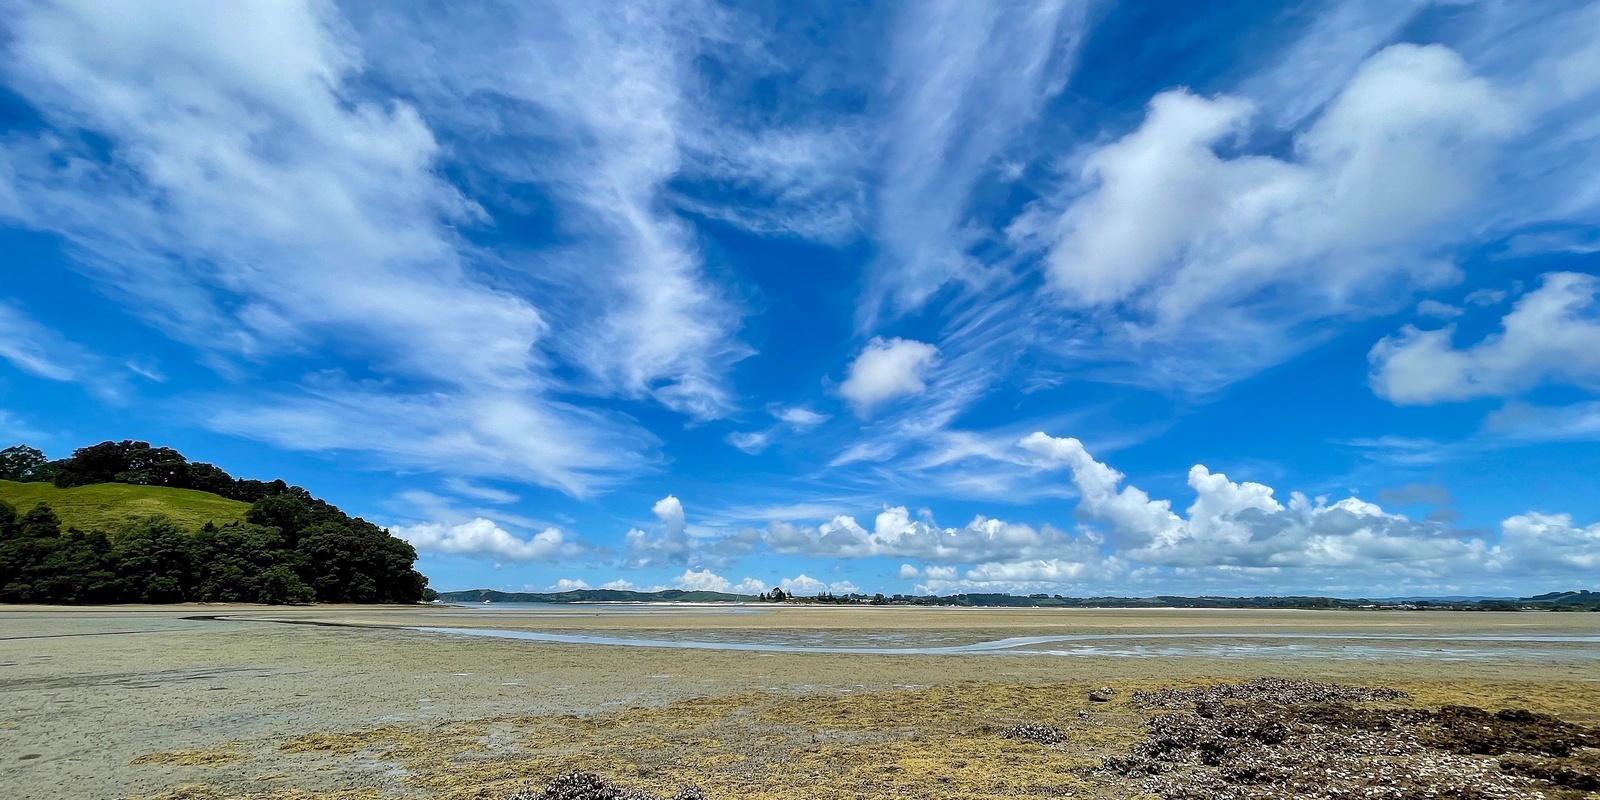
(937, 742)
(244, 707)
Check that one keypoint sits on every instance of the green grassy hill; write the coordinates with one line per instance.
(106, 506)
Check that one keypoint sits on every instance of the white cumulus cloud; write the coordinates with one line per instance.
(483, 538)
(749, 586)
(703, 580)
(804, 584)
(1244, 526)
(1551, 335)
(670, 545)
(1397, 151)
(707, 581)
(1173, 245)
(1552, 543)
(895, 534)
(887, 369)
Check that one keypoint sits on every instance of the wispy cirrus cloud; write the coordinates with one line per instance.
(964, 81)
(16, 428)
(600, 111)
(792, 420)
(38, 350)
(261, 200)
(502, 435)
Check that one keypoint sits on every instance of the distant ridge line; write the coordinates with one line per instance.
(1581, 600)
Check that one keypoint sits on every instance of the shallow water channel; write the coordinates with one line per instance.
(1353, 645)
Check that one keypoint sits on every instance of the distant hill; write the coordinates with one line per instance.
(125, 522)
(111, 506)
(592, 596)
(1583, 598)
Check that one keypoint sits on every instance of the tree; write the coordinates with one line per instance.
(251, 491)
(126, 461)
(341, 563)
(289, 513)
(8, 521)
(231, 562)
(40, 565)
(97, 463)
(280, 585)
(40, 522)
(209, 478)
(154, 561)
(21, 463)
(154, 466)
(74, 568)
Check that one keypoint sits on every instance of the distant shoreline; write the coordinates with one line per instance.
(1582, 600)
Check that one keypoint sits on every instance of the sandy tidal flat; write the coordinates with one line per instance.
(260, 702)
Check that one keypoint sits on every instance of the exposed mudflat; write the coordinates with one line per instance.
(141, 702)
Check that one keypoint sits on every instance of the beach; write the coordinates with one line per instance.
(250, 701)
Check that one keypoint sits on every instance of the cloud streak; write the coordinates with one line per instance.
(37, 350)
(260, 203)
(965, 80)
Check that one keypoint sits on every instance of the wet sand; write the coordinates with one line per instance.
(84, 693)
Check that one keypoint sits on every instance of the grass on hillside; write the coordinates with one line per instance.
(107, 506)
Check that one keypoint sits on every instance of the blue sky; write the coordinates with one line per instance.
(1074, 297)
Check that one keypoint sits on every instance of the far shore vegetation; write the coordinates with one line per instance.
(124, 522)
(1554, 601)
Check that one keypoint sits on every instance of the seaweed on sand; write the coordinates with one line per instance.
(1300, 740)
(1033, 732)
(1267, 690)
(589, 786)
(1464, 729)
(1245, 739)
(1580, 772)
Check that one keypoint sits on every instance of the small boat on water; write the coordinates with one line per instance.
(487, 602)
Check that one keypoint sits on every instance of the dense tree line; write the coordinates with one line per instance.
(131, 462)
(291, 548)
